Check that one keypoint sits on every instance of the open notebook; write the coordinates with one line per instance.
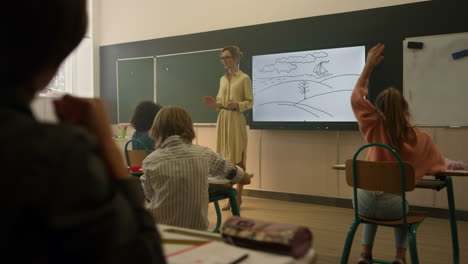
(220, 253)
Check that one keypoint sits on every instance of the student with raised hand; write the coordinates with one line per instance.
(68, 197)
(175, 179)
(234, 97)
(142, 120)
(388, 122)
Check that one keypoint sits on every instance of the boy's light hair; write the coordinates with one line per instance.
(172, 120)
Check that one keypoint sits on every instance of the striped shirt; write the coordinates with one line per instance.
(175, 181)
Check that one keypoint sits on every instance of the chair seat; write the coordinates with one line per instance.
(412, 218)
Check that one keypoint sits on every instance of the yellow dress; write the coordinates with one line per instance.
(231, 126)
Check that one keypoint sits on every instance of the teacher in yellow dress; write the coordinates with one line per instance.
(234, 97)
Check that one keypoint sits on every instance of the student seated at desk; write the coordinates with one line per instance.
(175, 178)
(388, 122)
(66, 194)
(142, 119)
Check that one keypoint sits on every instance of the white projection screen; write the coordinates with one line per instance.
(306, 86)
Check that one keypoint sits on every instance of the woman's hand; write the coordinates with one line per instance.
(209, 100)
(374, 56)
(232, 105)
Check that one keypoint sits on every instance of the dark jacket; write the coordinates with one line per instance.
(59, 205)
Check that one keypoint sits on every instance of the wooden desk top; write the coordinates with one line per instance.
(441, 173)
(433, 184)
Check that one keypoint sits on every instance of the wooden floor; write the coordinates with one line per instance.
(330, 226)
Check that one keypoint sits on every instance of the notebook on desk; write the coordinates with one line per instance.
(220, 253)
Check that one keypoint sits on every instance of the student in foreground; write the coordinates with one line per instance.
(175, 178)
(388, 122)
(67, 196)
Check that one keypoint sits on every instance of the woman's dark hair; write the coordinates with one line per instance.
(41, 34)
(144, 115)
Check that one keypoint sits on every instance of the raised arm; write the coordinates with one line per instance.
(363, 109)
(374, 57)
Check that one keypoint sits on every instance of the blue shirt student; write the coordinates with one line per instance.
(142, 120)
(148, 143)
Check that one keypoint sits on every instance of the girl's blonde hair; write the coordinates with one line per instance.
(172, 120)
(395, 111)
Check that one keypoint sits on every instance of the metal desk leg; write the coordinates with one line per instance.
(233, 202)
(453, 221)
(218, 217)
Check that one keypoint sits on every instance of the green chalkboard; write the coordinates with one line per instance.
(183, 79)
(135, 83)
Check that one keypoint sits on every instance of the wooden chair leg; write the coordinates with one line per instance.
(349, 241)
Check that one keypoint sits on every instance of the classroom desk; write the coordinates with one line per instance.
(438, 182)
(177, 240)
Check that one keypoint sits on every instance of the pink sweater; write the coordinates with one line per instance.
(422, 153)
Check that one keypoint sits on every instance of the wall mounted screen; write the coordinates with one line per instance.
(306, 89)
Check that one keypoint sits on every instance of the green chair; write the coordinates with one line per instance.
(394, 177)
(220, 193)
(135, 157)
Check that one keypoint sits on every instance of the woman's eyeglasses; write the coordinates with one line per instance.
(225, 57)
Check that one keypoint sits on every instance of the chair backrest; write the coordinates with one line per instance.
(395, 177)
(135, 157)
(380, 176)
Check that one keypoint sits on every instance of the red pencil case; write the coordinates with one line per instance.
(277, 238)
(135, 168)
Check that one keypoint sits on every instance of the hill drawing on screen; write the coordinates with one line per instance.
(306, 86)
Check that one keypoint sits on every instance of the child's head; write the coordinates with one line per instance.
(144, 114)
(41, 34)
(394, 109)
(172, 120)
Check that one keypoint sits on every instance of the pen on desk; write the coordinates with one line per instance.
(184, 241)
(241, 258)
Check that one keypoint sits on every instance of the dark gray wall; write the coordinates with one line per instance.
(388, 25)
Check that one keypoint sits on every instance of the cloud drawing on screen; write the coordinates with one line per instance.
(318, 88)
(279, 67)
(289, 64)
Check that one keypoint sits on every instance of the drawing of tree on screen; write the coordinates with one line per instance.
(305, 86)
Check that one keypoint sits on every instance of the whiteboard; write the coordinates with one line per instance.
(306, 86)
(434, 84)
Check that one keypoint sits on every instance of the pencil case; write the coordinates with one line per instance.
(277, 238)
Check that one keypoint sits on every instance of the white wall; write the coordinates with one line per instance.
(126, 21)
